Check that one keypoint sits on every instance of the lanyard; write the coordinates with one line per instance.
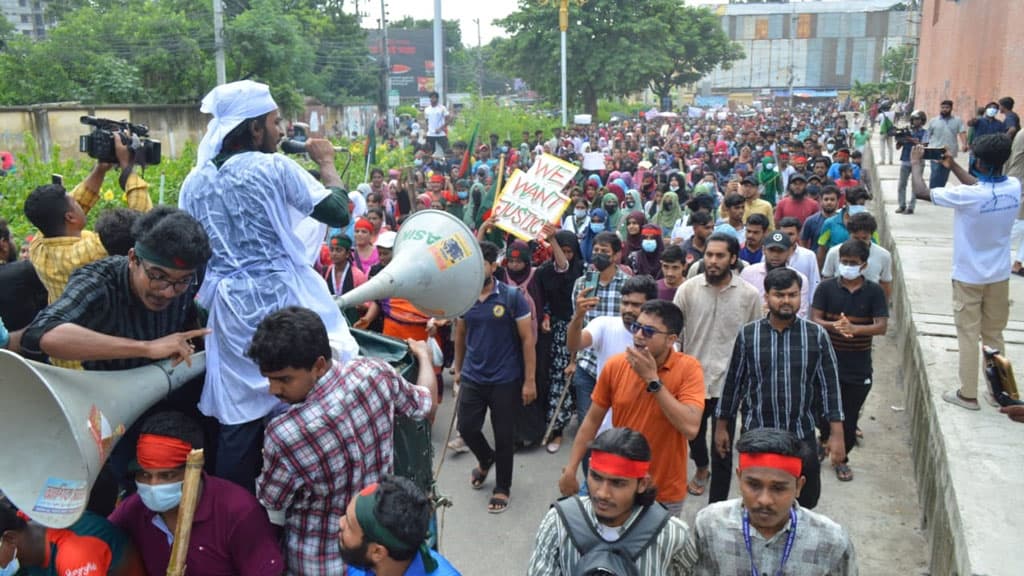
(785, 551)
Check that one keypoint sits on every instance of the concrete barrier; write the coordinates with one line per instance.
(968, 465)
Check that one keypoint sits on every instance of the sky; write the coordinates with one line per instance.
(463, 10)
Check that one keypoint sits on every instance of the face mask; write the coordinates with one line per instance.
(813, 189)
(673, 188)
(610, 208)
(601, 261)
(630, 204)
(649, 245)
(666, 205)
(830, 147)
(849, 272)
(991, 112)
(851, 210)
(160, 497)
(12, 567)
(579, 213)
(597, 227)
(463, 194)
(662, 161)
(417, 162)
(769, 166)
(758, 147)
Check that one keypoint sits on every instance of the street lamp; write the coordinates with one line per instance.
(563, 25)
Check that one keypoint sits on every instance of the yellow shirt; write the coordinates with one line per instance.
(56, 258)
(758, 206)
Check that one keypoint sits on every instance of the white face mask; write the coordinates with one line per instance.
(991, 112)
(12, 567)
(855, 209)
(849, 272)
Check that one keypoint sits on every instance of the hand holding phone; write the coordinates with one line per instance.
(935, 154)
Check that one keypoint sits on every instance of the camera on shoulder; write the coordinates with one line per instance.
(99, 143)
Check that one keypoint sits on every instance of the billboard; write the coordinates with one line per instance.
(412, 59)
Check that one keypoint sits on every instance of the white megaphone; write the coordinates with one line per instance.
(437, 265)
(65, 423)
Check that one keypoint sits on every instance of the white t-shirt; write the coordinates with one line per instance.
(982, 220)
(879, 268)
(805, 262)
(436, 120)
(609, 337)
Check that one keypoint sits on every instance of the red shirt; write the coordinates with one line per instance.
(799, 209)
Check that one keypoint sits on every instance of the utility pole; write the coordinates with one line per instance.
(218, 41)
(479, 61)
(387, 66)
(439, 53)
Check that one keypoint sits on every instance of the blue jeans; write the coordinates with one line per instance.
(939, 175)
(584, 382)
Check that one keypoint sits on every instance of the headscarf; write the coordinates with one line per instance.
(633, 240)
(587, 242)
(567, 238)
(518, 250)
(649, 262)
(666, 219)
(638, 201)
(614, 216)
(231, 104)
(617, 190)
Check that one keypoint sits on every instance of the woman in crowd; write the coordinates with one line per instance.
(365, 254)
(647, 260)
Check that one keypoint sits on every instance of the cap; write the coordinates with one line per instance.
(750, 180)
(386, 239)
(778, 240)
(797, 176)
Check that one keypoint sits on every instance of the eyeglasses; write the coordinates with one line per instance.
(159, 282)
(647, 331)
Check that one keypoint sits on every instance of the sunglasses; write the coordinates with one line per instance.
(647, 331)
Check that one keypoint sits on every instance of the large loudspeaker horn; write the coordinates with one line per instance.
(436, 265)
(59, 427)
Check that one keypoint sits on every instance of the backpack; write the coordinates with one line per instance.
(510, 299)
(599, 557)
(887, 126)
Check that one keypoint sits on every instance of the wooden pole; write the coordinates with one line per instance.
(186, 512)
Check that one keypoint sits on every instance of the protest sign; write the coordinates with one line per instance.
(531, 199)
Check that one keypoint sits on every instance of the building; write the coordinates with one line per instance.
(969, 54)
(27, 16)
(812, 48)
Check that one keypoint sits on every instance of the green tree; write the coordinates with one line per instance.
(897, 67)
(614, 48)
(694, 45)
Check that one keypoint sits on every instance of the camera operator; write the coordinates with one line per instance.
(905, 141)
(64, 245)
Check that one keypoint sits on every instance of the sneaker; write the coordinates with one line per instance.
(901, 210)
(954, 397)
(458, 445)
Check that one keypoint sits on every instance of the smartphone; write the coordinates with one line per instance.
(934, 154)
(56, 179)
(590, 281)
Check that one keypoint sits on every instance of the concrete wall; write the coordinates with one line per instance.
(172, 125)
(971, 53)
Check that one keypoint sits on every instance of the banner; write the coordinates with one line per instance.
(534, 198)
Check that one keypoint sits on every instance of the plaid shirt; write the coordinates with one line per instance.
(777, 375)
(610, 295)
(321, 452)
(554, 553)
(716, 548)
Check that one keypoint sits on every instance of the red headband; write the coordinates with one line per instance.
(615, 465)
(160, 452)
(364, 224)
(437, 178)
(791, 465)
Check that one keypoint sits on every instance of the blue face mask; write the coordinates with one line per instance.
(160, 497)
(417, 162)
(463, 194)
(12, 567)
(649, 245)
(597, 227)
(851, 210)
(579, 212)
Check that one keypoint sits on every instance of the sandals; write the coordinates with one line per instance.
(843, 472)
(554, 445)
(498, 503)
(478, 476)
(698, 485)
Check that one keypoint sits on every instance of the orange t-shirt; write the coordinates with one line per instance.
(406, 321)
(621, 389)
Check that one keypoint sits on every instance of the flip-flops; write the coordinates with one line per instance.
(843, 472)
(498, 503)
(478, 476)
(698, 485)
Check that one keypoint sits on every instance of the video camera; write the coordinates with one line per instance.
(901, 134)
(99, 143)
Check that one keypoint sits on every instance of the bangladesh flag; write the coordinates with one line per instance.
(467, 155)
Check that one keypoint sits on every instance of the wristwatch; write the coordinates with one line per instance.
(653, 386)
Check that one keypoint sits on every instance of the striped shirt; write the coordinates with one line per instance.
(319, 453)
(99, 297)
(775, 377)
(555, 555)
(716, 547)
(610, 295)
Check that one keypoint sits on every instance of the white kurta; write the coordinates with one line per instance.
(255, 210)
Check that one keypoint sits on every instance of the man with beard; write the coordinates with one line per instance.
(655, 390)
(785, 536)
(384, 532)
(263, 214)
(796, 204)
(716, 304)
(782, 370)
(945, 131)
(620, 514)
(829, 203)
(777, 250)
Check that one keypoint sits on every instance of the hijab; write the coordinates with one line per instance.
(649, 262)
(633, 240)
(666, 219)
(614, 216)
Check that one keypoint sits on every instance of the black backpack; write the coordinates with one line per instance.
(599, 557)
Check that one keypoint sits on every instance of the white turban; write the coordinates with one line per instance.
(230, 105)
